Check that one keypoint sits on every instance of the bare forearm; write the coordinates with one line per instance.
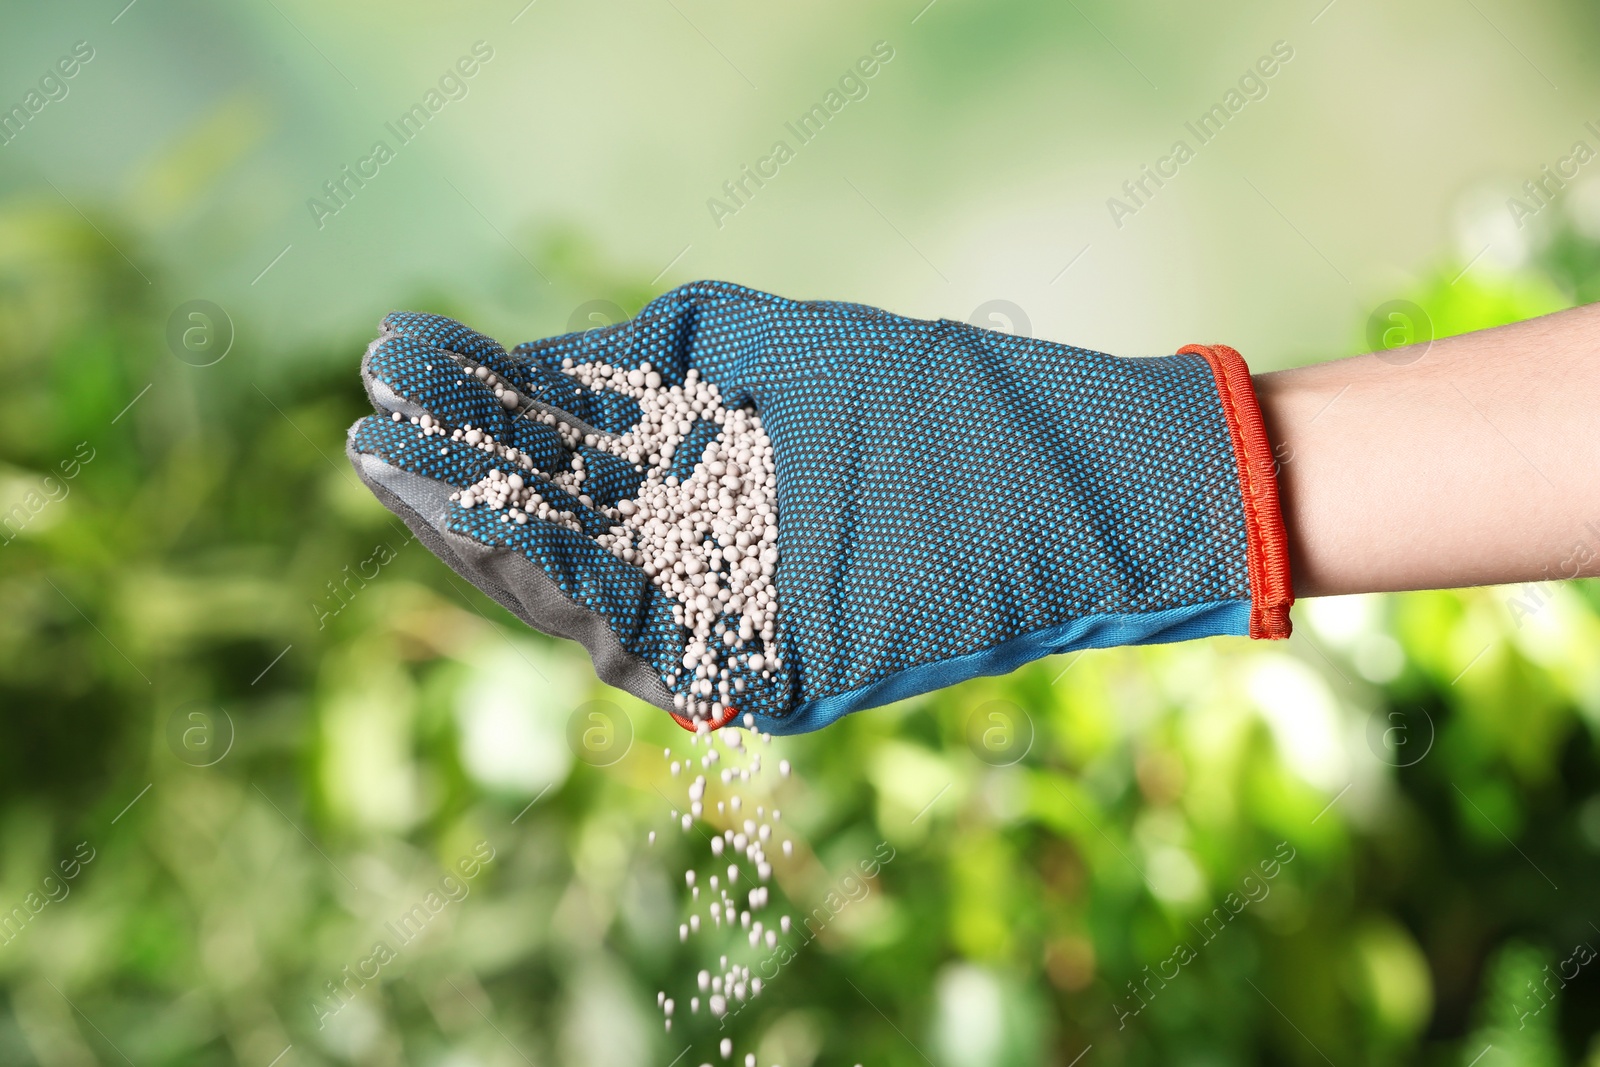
(1475, 462)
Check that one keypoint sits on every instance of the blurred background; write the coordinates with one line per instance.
(248, 724)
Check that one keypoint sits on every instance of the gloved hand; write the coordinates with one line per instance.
(951, 501)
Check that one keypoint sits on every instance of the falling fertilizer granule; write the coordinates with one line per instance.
(727, 898)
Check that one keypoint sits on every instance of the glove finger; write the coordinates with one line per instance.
(438, 332)
(689, 451)
(580, 346)
(404, 445)
(603, 410)
(554, 442)
(418, 336)
(475, 384)
(587, 574)
(406, 376)
(459, 464)
(626, 345)
(724, 331)
(431, 379)
(608, 411)
(601, 401)
(446, 454)
(608, 479)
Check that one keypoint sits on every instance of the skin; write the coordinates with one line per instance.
(1474, 460)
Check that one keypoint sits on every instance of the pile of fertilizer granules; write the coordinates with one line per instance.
(709, 539)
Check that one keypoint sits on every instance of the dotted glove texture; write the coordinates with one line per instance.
(951, 501)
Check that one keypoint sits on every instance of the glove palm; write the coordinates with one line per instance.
(951, 501)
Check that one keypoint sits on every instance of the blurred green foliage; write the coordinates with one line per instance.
(1373, 845)
(248, 726)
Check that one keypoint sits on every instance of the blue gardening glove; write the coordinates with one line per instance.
(950, 501)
